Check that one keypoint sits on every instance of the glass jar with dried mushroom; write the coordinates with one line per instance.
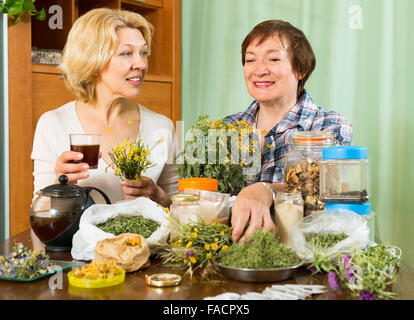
(302, 166)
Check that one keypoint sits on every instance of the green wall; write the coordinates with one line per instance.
(364, 53)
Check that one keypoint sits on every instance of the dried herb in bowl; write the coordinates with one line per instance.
(137, 224)
(261, 251)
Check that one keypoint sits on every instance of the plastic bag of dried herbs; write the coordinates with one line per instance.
(329, 232)
(154, 225)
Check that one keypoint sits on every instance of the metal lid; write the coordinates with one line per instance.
(185, 197)
(163, 279)
(62, 189)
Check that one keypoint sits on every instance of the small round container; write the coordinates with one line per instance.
(206, 184)
(186, 208)
(163, 280)
(344, 175)
(96, 283)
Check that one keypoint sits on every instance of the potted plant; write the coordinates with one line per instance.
(208, 151)
(17, 8)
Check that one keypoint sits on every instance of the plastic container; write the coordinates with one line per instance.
(96, 283)
(206, 184)
(302, 166)
(344, 174)
(186, 208)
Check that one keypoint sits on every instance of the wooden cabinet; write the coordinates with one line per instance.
(35, 89)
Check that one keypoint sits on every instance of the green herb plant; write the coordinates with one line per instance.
(17, 8)
(369, 273)
(135, 224)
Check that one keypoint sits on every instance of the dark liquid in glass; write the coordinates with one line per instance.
(90, 154)
(49, 228)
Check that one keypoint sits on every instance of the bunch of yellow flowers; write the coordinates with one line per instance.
(197, 244)
(131, 159)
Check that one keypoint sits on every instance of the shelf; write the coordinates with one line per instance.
(145, 3)
(45, 68)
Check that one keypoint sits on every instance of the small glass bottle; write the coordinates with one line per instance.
(302, 166)
(186, 208)
(289, 207)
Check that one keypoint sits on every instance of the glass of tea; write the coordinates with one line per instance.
(88, 145)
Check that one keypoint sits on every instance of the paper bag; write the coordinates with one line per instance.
(129, 258)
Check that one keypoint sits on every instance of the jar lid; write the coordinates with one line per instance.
(163, 279)
(206, 184)
(62, 189)
(313, 137)
(181, 197)
(360, 208)
(345, 152)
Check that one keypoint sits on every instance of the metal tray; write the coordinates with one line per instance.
(258, 275)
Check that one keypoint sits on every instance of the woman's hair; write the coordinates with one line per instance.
(300, 51)
(92, 41)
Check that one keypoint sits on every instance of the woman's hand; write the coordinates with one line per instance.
(74, 171)
(252, 206)
(145, 187)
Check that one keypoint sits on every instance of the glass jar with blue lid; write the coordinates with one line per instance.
(344, 175)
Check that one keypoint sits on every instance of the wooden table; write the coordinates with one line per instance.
(135, 288)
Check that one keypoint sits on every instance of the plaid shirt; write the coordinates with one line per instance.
(304, 116)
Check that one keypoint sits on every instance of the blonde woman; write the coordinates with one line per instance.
(104, 62)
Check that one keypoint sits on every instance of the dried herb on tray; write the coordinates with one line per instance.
(136, 224)
(23, 263)
(261, 251)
